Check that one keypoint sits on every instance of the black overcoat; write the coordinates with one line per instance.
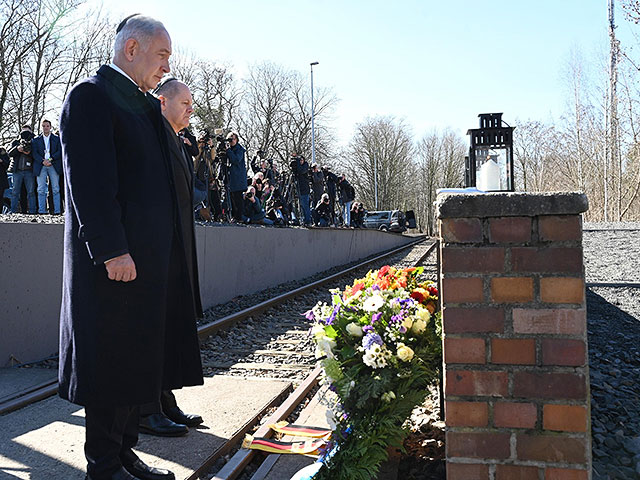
(114, 347)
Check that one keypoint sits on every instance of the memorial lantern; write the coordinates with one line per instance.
(489, 166)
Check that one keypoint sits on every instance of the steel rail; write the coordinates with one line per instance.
(210, 328)
(612, 284)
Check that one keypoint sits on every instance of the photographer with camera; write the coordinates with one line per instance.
(253, 212)
(322, 212)
(300, 169)
(357, 215)
(22, 168)
(202, 187)
(331, 179)
(317, 180)
(275, 208)
(237, 175)
(263, 166)
(347, 196)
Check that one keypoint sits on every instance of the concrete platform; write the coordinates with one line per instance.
(45, 441)
(16, 380)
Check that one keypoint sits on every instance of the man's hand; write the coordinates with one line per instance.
(46, 163)
(20, 149)
(121, 269)
(186, 140)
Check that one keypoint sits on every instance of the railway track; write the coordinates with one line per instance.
(268, 340)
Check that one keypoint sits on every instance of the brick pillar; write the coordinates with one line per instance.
(515, 341)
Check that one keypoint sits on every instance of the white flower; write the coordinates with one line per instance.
(354, 297)
(376, 356)
(388, 397)
(419, 326)
(373, 303)
(354, 329)
(324, 347)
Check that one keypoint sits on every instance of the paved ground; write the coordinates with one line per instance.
(44, 441)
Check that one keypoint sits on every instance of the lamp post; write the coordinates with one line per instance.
(313, 133)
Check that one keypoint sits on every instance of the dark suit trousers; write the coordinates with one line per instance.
(237, 205)
(111, 433)
(167, 400)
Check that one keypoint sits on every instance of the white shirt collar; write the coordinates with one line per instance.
(120, 71)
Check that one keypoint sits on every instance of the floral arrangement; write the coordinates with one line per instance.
(380, 347)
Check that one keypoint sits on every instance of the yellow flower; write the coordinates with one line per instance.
(407, 323)
(388, 397)
(404, 353)
(419, 326)
(423, 314)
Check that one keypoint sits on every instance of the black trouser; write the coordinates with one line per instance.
(111, 433)
(237, 205)
(166, 401)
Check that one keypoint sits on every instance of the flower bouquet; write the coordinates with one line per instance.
(380, 347)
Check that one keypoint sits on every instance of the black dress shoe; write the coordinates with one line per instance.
(121, 474)
(144, 472)
(159, 425)
(179, 416)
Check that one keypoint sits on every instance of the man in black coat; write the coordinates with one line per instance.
(121, 341)
(164, 417)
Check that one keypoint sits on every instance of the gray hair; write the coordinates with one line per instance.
(139, 27)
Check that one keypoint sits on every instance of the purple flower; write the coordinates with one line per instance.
(403, 329)
(368, 328)
(309, 315)
(332, 317)
(397, 318)
(375, 288)
(375, 317)
(371, 339)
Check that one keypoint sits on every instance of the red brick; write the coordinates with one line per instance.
(565, 352)
(549, 385)
(546, 260)
(512, 289)
(473, 320)
(562, 290)
(464, 350)
(563, 321)
(510, 230)
(461, 230)
(462, 290)
(474, 382)
(564, 418)
(467, 414)
(466, 471)
(490, 259)
(516, 472)
(564, 474)
(514, 415)
(477, 445)
(513, 351)
(551, 448)
(565, 228)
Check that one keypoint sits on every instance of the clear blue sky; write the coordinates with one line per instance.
(434, 63)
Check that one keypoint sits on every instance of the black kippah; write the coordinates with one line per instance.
(124, 22)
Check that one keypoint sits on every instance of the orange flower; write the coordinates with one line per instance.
(419, 294)
(402, 281)
(357, 287)
(431, 307)
(383, 271)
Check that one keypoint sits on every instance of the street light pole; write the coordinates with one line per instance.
(313, 133)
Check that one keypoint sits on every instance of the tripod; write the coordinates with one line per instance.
(291, 198)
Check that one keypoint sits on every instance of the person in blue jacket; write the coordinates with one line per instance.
(47, 162)
(237, 175)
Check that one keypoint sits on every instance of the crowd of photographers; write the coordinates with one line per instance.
(303, 195)
(225, 190)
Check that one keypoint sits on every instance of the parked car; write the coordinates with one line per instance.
(390, 220)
